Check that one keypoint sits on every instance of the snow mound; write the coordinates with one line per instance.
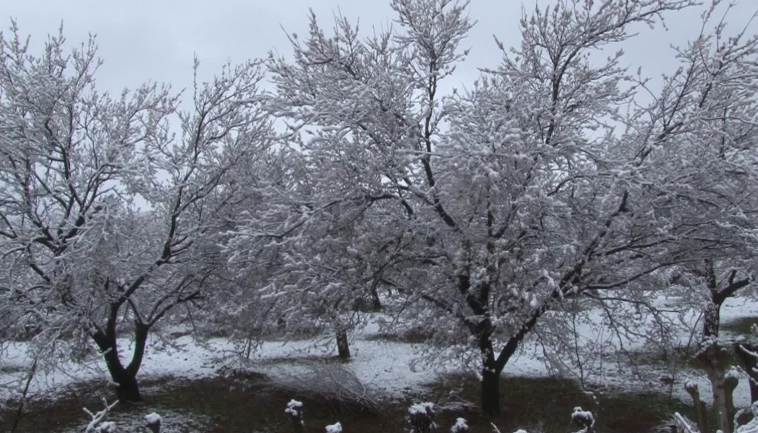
(152, 418)
(421, 409)
(460, 426)
(294, 408)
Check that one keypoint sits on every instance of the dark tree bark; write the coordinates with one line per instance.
(343, 347)
(376, 303)
(481, 327)
(490, 391)
(127, 388)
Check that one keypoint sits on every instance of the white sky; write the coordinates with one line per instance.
(143, 40)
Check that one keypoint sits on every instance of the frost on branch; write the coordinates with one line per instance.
(684, 425)
(422, 418)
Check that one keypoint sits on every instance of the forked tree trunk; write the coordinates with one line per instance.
(494, 366)
(127, 388)
(343, 347)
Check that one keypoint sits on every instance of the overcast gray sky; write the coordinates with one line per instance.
(143, 40)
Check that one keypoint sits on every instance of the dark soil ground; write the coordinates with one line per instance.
(247, 403)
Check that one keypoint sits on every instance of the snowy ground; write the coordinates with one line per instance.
(385, 366)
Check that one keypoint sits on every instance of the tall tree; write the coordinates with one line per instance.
(703, 161)
(81, 259)
(511, 197)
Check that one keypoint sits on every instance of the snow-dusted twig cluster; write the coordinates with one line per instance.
(97, 423)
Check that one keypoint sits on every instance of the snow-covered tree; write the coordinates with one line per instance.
(504, 200)
(700, 160)
(106, 212)
(323, 230)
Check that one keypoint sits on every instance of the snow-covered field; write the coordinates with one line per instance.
(386, 367)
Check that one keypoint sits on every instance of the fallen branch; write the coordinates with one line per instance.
(98, 417)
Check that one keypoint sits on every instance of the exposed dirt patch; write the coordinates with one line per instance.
(245, 402)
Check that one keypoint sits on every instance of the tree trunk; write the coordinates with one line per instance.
(745, 352)
(343, 348)
(376, 302)
(127, 388)
(694, 392)
(720, 404)
(490, 391)
(730, 384)
(712, 355)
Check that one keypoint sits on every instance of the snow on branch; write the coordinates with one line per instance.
(684, 425)
(97, 425)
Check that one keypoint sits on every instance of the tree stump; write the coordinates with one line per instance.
(694, 392)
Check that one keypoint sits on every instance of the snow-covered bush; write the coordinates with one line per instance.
(153, 422)
(329, 381)
(421, 417)
(460, 426)
(334, 428)
(583, 419)
(295, 412)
